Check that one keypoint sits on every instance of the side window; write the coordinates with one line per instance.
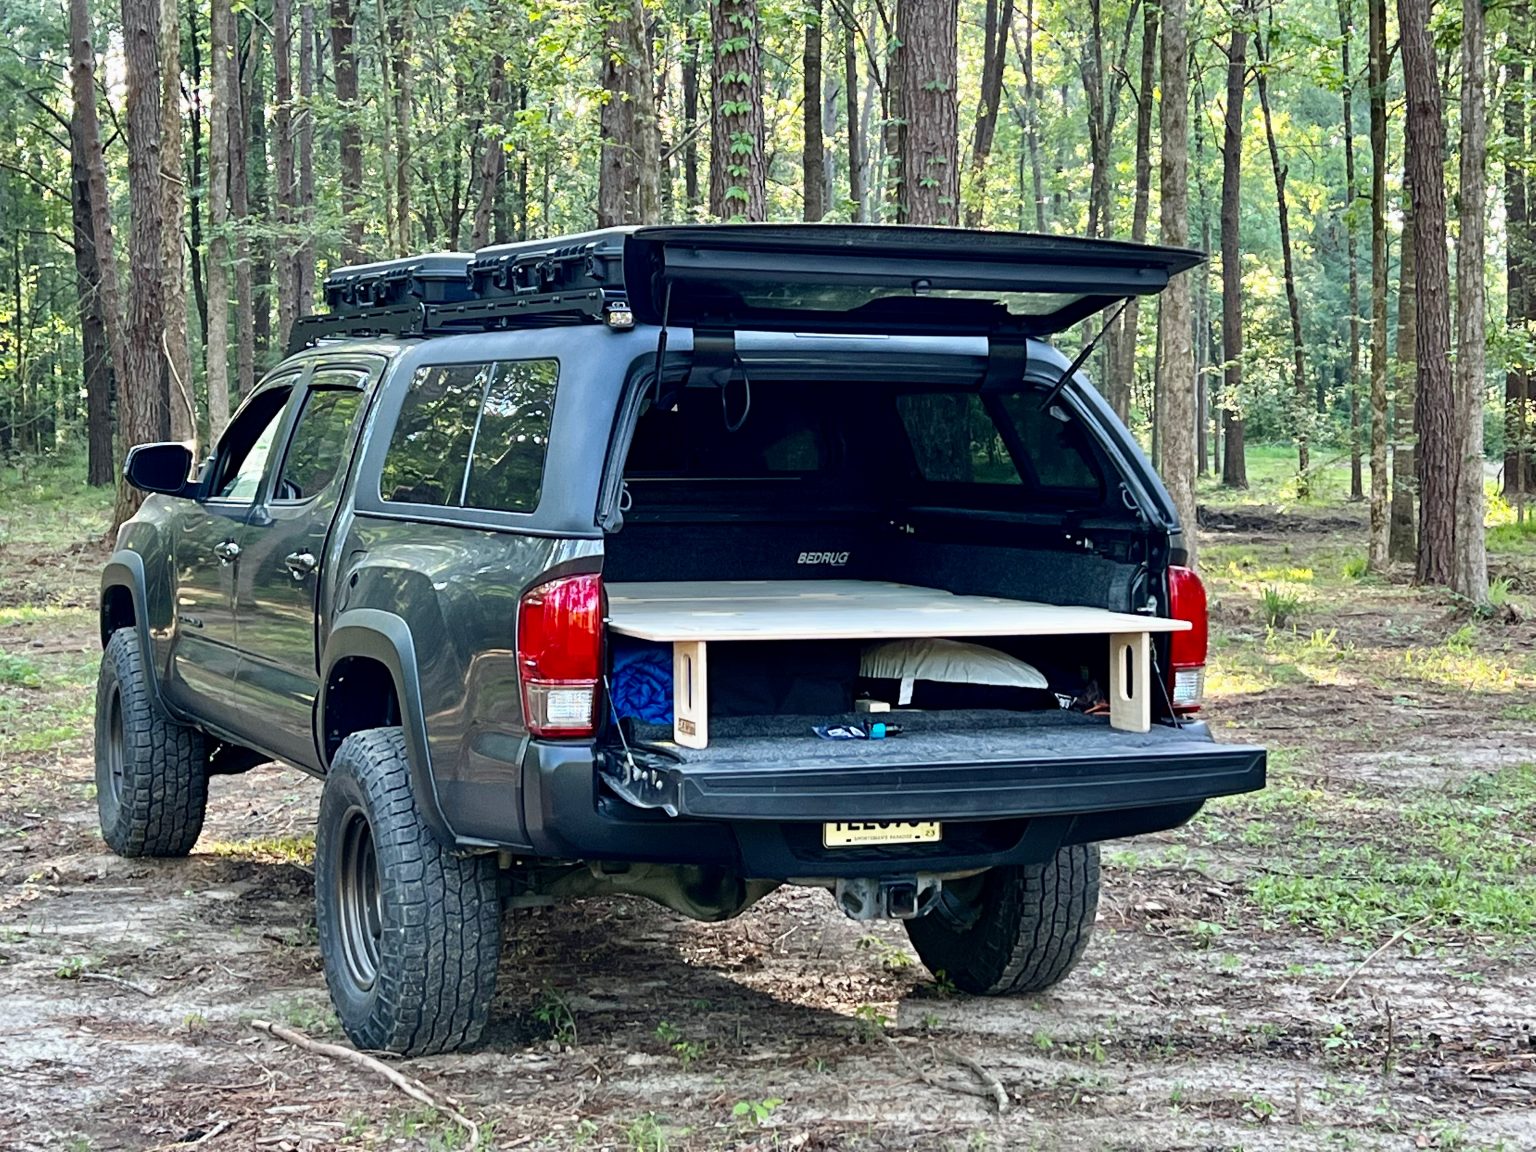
(317, 449)
(954, 440)
(247, 443)
(1058, 450)
(472, 436)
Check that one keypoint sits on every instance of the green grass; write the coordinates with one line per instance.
(45, 504)
(1272, 477)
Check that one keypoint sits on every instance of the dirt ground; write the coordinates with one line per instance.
(1341, 962)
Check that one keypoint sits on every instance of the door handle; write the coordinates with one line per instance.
(300, 564)
(226, 551)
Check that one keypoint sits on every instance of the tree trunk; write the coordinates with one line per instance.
(1091, 70)
(1124, 335)
(97, 306)
(493, 154)
(258, 202)
(1234, 465)
(1346, 31)
(1301, 401)
(690, 71)
(856, 157)
(999, 23)
(221, 69)
(1403, 527)
(304, 255)
(143, 410)
(285, 192)
(197, 192)
(930, 117)
(173, 207)
(240, 206)
(1202, 312)
(400, 23)
(1376, 554)
(1517, 257)
(1469, 566)
(738, 172)
(1435, 411)
(629, 188)
(1176, 366)
(1032, 113)
(813, 166)
(350, 135)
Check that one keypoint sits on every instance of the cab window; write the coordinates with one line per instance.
(317, 450)
(247, 444)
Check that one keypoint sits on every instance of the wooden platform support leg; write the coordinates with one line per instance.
(690, 694)
(1130, 681)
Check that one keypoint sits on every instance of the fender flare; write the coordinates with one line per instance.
(375, 634)
(125, 569)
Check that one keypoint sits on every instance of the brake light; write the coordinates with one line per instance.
(1187, 650)
(559, 655)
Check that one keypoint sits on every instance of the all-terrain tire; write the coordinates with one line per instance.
(410, 933)
(151, 772)
(1015, 929)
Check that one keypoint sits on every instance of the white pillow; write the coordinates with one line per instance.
(947, 661)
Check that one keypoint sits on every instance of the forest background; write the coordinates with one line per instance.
(177, 175)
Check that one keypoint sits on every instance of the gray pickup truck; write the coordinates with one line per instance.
(399, 570)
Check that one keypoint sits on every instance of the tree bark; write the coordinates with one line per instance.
(1517, 258)
(1176, 367)
(1435, 411)
(629, 188)
(304, 254)
(738, 172)
(493, 154)
(1403, 528)
(1346, 31)
(1234, 465)
(856, 146)
(221, 69)
(813, 166)
(1091, 70)
(999, 23)
(1469, 565)
(350, 135)
(929, 125)
(285, 191)
(240, 206)
(1301, 402)
(143, 410)
(1032, 114)
(95, 262)
(400, 22)
(1124, 335)
(197, 192)
(173, 207)
(1376, 553)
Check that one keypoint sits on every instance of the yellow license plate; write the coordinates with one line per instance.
(848, 835)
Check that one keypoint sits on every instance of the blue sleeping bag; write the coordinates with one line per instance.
(642, 682)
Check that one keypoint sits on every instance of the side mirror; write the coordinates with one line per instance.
(160, 468)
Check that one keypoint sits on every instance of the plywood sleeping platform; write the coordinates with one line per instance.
(689, 615)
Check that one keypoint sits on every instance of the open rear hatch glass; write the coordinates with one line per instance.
(863, 278)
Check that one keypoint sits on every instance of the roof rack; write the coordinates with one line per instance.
(564, 280)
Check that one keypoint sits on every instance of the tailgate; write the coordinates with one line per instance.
(965, 766)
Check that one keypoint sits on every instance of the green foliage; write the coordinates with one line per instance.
(1278, 606)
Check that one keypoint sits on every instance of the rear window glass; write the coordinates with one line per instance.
(473, 436)
(963, 438)
(776, 434)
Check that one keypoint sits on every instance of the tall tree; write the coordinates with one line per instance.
(1176, 362)
(738, 162)
(239, 108)
(221, 77)
(929, 127)
(994, 46)
(1123, 336)
(286, 190)
(857, 158)
(690, 126)
(1234, 465)
(1403, 527)
(399, 24)
(143, 411)
(1436, 455)
(350, 133)
(1376, 554)
(1300, 402)
(492, 161)
(1518, 255)
(1469, 566)
(1346, 33)
(95, 258)
(173, 206)
(629, 187)
(813, 165)
(304, 255)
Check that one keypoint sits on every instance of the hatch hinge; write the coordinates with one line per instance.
(1007, 357)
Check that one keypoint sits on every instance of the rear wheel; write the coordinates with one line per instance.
(151, 778)
(409, 932)
(1015, 929)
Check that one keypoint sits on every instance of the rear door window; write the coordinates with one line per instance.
(473, 436)
(317, 451)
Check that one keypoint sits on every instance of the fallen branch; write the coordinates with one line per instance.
(221, 1127)
(118, 980)
(994, 1085)
(1366, 963)
(412, 1087)
(933, 1081)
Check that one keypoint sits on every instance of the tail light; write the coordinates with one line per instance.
(559, 655)
(1187, 650)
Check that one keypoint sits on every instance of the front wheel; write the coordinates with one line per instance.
(151, 772)
(1015, 929)
(410, 933)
